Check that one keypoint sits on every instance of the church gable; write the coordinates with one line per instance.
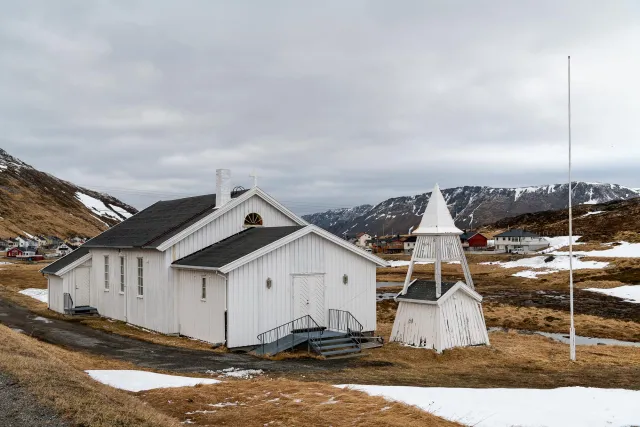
(252, 209)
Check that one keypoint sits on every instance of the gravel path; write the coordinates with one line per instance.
(77, 337)
(19, 409)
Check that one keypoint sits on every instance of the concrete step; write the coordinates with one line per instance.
(334, 346)
(333, 340)
(340, 352)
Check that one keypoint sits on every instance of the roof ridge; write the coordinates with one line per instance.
(180, 224)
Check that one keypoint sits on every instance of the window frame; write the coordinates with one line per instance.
(106, 273)
(203, 289)
(250, 218)
(122, 275)
(140, 270)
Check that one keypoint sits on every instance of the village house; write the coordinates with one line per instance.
(14, 252)
(63, 249)
(363, 240)
(234, 268)
(473, 241)
(519, 241)
(410, 244)
(24, 242)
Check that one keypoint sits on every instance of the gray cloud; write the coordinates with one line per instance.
(335, 103)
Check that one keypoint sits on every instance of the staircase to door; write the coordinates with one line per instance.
(341, 338)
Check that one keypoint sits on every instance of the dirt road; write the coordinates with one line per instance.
(78, 337)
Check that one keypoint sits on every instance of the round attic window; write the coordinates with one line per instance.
(253, 220)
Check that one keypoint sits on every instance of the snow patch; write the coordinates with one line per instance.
(591, 213)
(135, 381)
(623, 250)
(558, 263)
(244, 374)
(39, 294)
(495, 407)
(630, 293)
(42, 319)
(558, 242)
(531, 274)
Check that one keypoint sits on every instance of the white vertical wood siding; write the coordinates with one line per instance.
(457, 322)
(416, 324)
(229, 224)
(462, 322)
(54, 285)
(201, 319)
(253, 309)
(155, 310)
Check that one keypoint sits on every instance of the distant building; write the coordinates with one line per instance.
(63, 249)
(520, 241)
(14, 252)
(363, 240)
(473, 241)
(410, 244)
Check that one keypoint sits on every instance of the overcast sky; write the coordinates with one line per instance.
(335, 103)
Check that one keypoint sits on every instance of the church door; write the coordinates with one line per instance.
(308, 297)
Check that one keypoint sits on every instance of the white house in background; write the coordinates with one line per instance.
(63, 249)
(222, 268)
(23, 242)
(519, 241)
(363, 240)
(435, 314)
(410, 244)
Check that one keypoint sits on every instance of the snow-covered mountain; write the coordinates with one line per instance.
(34, 202)
(470, 206)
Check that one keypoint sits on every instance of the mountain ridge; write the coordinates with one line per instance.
(471, 206)
(35, 202)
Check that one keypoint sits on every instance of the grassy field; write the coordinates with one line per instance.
(55, 377)
(512, 360)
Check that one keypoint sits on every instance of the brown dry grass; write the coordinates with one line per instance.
(16, 277)
(55, 378)
(283, 402)
(512, 360)
(546, 320)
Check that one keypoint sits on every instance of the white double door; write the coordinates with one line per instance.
(308, 297)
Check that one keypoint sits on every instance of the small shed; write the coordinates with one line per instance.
(472, 240)
(14, 252)
(431, 313)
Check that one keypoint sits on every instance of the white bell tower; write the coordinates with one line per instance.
(438, 240)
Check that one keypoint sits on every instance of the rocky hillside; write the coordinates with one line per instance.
(470, 206)
(606, 222)
(35, 202)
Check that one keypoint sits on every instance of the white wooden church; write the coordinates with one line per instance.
(222, 268)
(431, 313)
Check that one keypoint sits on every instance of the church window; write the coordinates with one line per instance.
(253, 220)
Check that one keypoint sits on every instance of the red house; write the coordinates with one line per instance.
(473, 241)
(14, 252)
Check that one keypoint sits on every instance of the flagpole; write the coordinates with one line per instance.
(572, 330)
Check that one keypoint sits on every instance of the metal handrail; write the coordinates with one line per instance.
(302, 324)
(68, 302)
(344, 321)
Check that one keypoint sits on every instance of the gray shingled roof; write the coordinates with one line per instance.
(425, 290)
(66, 260)
(517, 233)
(235, 247)
(157, 223)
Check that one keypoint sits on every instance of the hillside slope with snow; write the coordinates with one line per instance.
(470, 206)
(34, 202)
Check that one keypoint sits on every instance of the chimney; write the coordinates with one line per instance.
(223, 187)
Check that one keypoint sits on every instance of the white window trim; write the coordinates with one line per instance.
(140, 281)
(107, 277)
(123, 275)
(203, 289)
